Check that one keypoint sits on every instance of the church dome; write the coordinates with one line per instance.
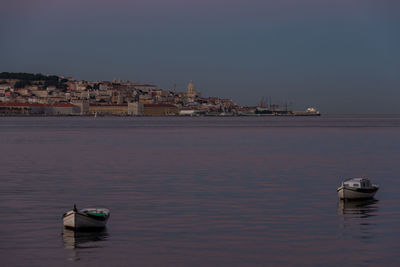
(191, 89)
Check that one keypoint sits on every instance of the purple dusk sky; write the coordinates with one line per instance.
(341, 56)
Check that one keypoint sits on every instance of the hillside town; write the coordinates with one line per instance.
(51, 95)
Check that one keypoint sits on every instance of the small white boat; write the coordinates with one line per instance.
(86, 218)
(357, 188)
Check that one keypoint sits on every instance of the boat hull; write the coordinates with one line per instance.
(77, 220)
(356, 193)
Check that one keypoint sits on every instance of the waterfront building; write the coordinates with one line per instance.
(160, 110)
(109, 109)
(83, 106)
(64, 109)
(135, 109)
(38, 109)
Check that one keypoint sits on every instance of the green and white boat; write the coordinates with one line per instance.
(86, 218)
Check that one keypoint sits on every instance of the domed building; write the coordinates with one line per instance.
(191, 90)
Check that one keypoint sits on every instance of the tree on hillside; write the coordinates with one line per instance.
(21, 84)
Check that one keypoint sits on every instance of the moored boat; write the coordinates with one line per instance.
(86, 218)
(357, 188)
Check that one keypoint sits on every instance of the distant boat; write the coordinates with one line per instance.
(357, 188)
(226, 114)
(86, 218)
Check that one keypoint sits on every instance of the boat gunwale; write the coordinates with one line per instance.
(361, 190)
(87, 215)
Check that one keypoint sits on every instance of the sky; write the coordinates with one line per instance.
(340, 56)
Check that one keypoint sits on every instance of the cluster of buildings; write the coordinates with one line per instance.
(36, 94)
(71, 97)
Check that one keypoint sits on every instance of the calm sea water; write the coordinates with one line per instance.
(199, 191)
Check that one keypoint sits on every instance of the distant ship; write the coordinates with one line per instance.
(308, 112)
(284, 112)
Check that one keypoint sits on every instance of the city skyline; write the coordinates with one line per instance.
(339, 56)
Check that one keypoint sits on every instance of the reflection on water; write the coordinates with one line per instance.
(199, 191)
(84, 239)
(357, 217)
(363, 208)
(78, 240)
